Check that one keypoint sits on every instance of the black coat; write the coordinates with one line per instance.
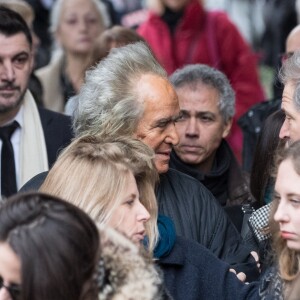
(191, 272)
(198, 216)
(57, 131)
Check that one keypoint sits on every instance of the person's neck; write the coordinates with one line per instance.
(172, 18)
(75, 67)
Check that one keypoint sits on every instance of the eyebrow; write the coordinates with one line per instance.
(199, 113)
(168, 120)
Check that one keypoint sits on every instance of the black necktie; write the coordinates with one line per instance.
(8, 170)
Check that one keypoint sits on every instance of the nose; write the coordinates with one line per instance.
(7, 72)
(284, 130)
(83, 24)
(281, 214)
(143, 214)
(192, 128)
(172, 136)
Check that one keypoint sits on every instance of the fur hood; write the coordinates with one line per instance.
(124, 273)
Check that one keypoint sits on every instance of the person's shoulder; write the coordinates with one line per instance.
(49, 114)
(52, 67)
(186, 180)
(34, 183)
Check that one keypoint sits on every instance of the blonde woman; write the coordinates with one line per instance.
(283, 281)
(100, 178)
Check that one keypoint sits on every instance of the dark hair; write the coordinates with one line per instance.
(116, 36)
(12, 23)
(57, 243)
(264, 155)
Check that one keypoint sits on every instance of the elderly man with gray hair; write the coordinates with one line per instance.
(207, 104)
(290, 77)
(128, 93)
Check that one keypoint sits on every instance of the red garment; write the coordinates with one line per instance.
(217, 43)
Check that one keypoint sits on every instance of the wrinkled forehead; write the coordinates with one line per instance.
(156, 90)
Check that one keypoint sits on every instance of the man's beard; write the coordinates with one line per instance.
(7, 108)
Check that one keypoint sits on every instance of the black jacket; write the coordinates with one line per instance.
(191, 272)
(57, 131)
(198, 216)
(226, 181)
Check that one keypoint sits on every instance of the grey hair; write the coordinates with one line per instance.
(192, 75)
(290, 72)
(108, 101)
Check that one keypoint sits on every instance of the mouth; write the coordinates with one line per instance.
(139, 236)
(190, 148)
(287, 235)
(166, 153)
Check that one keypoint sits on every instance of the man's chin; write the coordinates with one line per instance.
(162, 167)
(7, 105)
(191, 159)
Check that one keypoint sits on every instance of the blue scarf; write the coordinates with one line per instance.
(167, 237)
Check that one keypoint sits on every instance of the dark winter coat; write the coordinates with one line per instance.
(198, 216)
(191, 272)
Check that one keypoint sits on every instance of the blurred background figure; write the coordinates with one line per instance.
(183, 32)
(247, 15)
(116, 36)
(280, 17)
(75, 25)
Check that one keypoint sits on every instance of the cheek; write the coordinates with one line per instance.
(180, 128)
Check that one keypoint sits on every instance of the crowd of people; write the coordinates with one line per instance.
(121, 158)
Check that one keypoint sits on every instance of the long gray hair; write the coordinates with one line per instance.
(108, 101)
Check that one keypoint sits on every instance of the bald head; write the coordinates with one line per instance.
(293, 40)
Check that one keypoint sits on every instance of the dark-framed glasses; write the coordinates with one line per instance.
(13, 289)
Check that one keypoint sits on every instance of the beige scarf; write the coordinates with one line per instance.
(33, 152)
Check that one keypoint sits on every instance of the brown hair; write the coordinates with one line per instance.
(288, 259)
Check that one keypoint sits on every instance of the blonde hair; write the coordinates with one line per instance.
(288, 259)
(92, 173)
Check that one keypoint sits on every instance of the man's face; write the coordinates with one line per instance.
(201, 127)
(15, 67)
(156, 128)
(290, 130)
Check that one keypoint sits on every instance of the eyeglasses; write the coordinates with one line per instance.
(13, 289)
(286, 55)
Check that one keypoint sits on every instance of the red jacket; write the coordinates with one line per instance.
(208, 38)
